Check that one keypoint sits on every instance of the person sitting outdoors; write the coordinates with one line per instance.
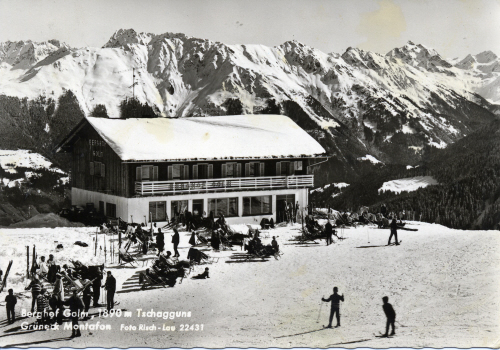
(203, 275)
(275, 245)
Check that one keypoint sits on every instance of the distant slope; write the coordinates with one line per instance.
(468, 193)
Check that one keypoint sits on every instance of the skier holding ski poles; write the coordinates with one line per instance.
(335, 299)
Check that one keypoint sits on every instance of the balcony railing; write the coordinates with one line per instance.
(156, 188)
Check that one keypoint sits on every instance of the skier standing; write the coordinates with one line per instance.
(328, 232)
(335, 299)
(391, 316)
(175, 242)
(394, 231)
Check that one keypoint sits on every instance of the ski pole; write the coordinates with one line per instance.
(319, 313)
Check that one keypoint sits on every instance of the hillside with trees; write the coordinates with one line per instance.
(467, 196)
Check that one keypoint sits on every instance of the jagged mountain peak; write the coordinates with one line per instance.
(125, 37)
(418, 55)
(486, 57)
(25, 53)
(484, 62)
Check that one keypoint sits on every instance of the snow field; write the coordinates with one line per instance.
(443, 284)
(408, 184)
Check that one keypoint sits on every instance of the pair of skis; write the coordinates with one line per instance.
(395, 243)
(4, 282)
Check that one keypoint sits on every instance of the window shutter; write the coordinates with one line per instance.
(210, 171)
(278, 169)
(224, 171)
(291, 168)
(170, 172)
(138, 173)
(238, 170)
(155, 173)
(186, 172)
(261, 171)
(247, 169)
(103, 170)
(195, 171)
(91, 168)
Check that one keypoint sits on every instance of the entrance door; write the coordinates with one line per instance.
(282, 202)
(197, 207)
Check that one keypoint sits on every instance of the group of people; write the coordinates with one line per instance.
(44, 302)
(335, 300)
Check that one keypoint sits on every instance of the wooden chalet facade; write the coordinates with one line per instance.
(160, 176)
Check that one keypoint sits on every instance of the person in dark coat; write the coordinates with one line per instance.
(36, 287)
(383, 210)
(328, 232)
(160, 241)
(175, 242)
(87, 295)
(391, 316)
(110, 286)
(215, 241)
(10, 305)
(76, 307)
(192, 240)
(335, 298)
(96, 286)
(394, 232)
(189, 219)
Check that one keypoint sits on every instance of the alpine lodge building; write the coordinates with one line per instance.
(245, 167)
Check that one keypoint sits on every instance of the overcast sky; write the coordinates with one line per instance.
(453, 27)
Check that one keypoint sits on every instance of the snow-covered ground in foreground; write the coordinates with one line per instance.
(443, 283)
(408, 184)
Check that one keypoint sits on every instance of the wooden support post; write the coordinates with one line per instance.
(119, 245)
(27, 262)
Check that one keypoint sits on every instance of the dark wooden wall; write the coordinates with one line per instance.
(90, 147)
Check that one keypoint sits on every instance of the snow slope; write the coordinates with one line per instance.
(444, 292)
(12, 159)
(408, 184)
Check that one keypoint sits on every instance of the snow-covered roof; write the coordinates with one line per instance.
(225, 137)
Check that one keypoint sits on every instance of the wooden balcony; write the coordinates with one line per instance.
(158, 188)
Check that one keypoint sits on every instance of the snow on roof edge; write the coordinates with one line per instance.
(245, 136)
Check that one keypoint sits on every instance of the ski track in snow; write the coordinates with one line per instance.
(443, 284)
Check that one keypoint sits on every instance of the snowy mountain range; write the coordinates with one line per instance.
(389, 106)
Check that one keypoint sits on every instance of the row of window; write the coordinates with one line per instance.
(205, 170)
(258, 205)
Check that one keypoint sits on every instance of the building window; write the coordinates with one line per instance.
(203, 171)
(197, 207)
(254, 169)
(111, 210)
(177, 208)
(158, 211)
(97, 169)
(178, 172)
(101, 207)
(223, 206)
(146, 173)
(287, 168)
(257, 205)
